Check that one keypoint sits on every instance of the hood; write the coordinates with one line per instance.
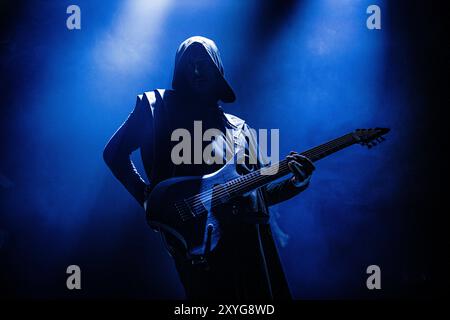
(227, 94)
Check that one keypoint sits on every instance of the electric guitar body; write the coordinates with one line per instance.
(193, 209)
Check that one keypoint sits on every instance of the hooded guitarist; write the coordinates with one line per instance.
(245, 264)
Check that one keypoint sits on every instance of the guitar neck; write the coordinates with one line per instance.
(263, 176)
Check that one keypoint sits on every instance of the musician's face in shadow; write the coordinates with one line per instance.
(201, 74)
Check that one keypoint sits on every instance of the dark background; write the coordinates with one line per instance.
(311, 69)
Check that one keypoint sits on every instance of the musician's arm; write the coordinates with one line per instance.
(302, 169)
(119, 148)
(283, 190)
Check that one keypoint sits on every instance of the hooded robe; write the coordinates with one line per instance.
(245, 264)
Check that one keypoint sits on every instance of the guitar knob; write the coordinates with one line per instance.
(234, 209)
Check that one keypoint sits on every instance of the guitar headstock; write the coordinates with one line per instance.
(370, 137)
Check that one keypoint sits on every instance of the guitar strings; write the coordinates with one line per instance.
(313, 152)
(197, 200)
(253, 177)
(197, 204)
(256, 177)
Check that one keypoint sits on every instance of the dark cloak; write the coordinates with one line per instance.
(245, 265)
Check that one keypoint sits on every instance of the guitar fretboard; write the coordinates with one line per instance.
(258, 178)
(261, 177)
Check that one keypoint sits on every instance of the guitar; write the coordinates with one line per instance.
(195, 209)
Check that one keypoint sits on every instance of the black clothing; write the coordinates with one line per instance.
(245, 264)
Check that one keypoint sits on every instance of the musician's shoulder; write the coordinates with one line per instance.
(152, 95)
(148, 99)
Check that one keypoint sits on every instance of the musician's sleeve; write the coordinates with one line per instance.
(279, 191)
(124, 141)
